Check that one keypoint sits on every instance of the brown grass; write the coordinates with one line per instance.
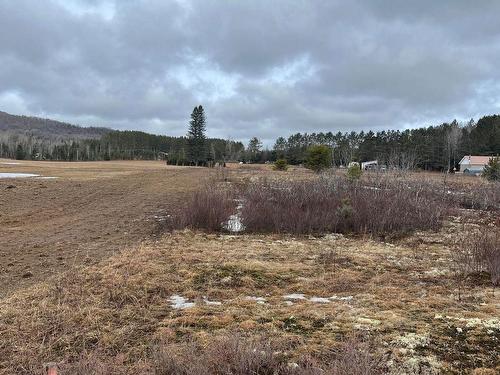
(115, 314)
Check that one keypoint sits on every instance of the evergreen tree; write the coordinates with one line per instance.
(254, 147)
(319, 157)
(20, 154)
(492, 170)
(197, 151)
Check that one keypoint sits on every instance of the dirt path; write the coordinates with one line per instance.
(88, 213)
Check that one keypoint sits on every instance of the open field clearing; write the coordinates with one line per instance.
(110, 294)
(89, 212)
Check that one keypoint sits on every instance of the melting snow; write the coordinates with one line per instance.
(294, 296)
(234, 223)
(179, 302)
(301, 296)
(260, 300)
(213, 303)
(18, 175)
(319, 300)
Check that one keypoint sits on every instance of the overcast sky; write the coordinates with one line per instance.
(260, 68)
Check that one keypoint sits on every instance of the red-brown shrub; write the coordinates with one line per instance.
(479, 252)
(208, 209)
(337, 205)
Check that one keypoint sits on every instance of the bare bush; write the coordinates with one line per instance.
(208, 209)
(479, 252)
(481, 197)
(338, 205)
(236, 355)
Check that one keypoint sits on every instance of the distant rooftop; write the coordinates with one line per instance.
(472, 159)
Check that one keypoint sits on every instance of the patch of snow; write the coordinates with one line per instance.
(260, 300)
(18, 175)
(212, 303)
(179, 302)
(234, 223)
(319, 300)
(10, 163)
(294, 296)
(288, 303)
(46, 178)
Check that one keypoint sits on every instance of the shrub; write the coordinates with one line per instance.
(280, 165)
(236, 355)
(479, 197)
(208, 208)
(335, 205)
(479, 252)
(354, 172)
(318, 158)
(492, 170)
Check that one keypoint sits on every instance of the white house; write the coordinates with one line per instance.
(473, 164)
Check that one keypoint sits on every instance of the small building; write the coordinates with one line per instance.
(473, 164)
(373, 164)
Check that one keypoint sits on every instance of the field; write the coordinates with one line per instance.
(92, 279)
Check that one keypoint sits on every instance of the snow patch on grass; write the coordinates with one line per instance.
(18, 175)
(179, 302)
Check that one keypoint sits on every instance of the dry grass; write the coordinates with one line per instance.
(119, 310)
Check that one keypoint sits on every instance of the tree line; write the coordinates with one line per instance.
(431, 148)
(114, 145)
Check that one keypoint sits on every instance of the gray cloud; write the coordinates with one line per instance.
(260, 68)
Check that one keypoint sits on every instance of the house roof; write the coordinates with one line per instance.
(471, 159)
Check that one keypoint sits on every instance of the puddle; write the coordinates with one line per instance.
(179, 302)
(18, 175)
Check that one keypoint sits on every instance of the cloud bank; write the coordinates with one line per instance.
(260, 68)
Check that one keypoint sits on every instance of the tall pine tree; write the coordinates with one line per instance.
(197, 150)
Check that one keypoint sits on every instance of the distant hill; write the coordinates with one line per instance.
(47, 129)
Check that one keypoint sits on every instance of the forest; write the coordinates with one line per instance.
(113, 145)
(431, 148)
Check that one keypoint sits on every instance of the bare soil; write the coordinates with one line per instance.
(88, 213)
